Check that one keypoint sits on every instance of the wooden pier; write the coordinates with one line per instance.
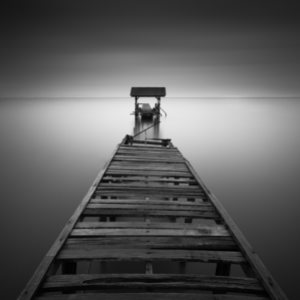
(147, 207)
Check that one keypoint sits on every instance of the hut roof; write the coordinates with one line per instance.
(148, 92)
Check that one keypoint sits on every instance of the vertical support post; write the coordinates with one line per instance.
(136, 107)
(223, 269)
(148, 264)
(158, 106)
(103, 264)
(69, 267)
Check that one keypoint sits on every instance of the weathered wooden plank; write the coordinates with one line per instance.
(129, 179)
(157, 154)
(143, 194)
(148, 296)
(146, 169)
(150, 213)
(146, 148)
(198, 208)
(177, 203)
(149, 164)
(174, 242)
(35, 281)
(184, 189)
(214, 230)
(155, 172)
(149, 142)
(148, 158)
(136, 190)
(150, 185)
(259, 269)
(177, 188)
(151, 151)
(150, 173)
(137, 159)
(160, 281)
(151, 197)
(148, 232)
(149, 167)
(152, 255)
(166, 187)
(150, 154)
(154, 159)
(152, 194)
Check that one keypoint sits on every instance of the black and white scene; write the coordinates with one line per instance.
(150, 150)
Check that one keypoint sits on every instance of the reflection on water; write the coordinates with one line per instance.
(245, 150)
(146, 128)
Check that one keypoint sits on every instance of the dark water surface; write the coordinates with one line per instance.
(247, 150)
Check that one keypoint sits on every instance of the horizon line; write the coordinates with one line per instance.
(97, 97)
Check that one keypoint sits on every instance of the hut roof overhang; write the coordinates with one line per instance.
(148, 92)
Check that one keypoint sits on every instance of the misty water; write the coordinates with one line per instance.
(246, 150)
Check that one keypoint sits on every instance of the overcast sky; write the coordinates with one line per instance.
(194, 48)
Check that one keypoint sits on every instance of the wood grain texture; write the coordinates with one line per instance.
(177, 203)
(147, 147)
(148, 158)
(215, 230)
(151, 185)
(150, 173)
(151, 213)
(152, 255)
(129, 179)
(140, 242)
(148, 296)
(148, 232)
(137, 206)
(154, 281)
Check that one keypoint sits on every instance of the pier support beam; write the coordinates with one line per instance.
(136, 107)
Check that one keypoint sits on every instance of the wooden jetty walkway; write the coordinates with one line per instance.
(147, 207)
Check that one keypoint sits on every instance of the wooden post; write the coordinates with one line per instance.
(223, 269)
(136, 110)
(148, 266)
(69, 268)
(158, 106)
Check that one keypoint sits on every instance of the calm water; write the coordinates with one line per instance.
(246, 150)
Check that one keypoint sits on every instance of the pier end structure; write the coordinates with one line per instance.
(156, 92)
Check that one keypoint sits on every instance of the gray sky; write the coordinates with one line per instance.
(194, 48)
